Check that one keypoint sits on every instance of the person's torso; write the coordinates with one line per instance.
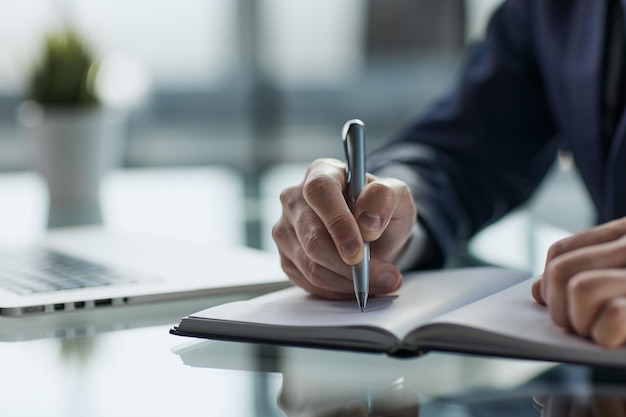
(569, 40)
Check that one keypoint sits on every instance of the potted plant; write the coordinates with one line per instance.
(66, 72)
(72, 138)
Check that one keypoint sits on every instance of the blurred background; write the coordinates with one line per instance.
(226, 101)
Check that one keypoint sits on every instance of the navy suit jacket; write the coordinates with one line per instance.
(534, 85)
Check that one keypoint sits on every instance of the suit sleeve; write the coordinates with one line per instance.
(483, 148)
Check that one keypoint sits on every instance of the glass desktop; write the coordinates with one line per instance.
(144, 370)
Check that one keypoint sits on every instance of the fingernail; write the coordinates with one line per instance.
(349, 248)
(370, 221)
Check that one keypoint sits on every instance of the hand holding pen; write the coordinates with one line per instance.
(319, 238)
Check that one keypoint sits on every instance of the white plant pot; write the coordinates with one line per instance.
(73, 149)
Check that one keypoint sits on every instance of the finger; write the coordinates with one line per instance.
(536, 292)
(560, 270)
(323, 191)
(315, 275)
(393, 200)
(342, 289)
(606, 232)
(320, 258)
(609, 329)
(308, 240)
(385, 278)
(588, 292)
(324, 282)
(384, 201)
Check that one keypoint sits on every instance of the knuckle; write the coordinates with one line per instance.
(315, 188)
(315, 243)
(557, 249)
(289, 198)
(280, 232)
(325, 162)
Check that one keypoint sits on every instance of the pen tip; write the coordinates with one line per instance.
(361, 299)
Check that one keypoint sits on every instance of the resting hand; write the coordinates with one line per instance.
(584, 283)
(318, 238)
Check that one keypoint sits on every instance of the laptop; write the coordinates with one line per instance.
(92, 268)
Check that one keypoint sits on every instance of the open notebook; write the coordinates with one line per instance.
(92, 268)
(485, 311)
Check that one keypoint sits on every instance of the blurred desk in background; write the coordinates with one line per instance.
(200, 204)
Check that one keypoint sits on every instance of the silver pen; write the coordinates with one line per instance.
(353, 134)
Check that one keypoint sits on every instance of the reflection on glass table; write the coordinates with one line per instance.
(326, 383)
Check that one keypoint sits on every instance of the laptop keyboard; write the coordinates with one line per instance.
(41, 270)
